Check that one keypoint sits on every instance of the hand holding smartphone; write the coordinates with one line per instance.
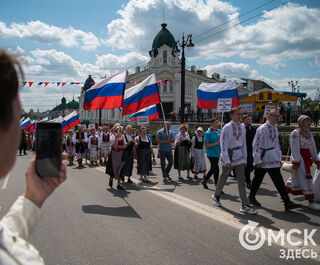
(48, 149)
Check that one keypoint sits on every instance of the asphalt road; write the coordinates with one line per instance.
(85, 222)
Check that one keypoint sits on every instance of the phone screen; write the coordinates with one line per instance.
(48, 149)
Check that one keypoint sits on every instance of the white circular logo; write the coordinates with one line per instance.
(246, 231)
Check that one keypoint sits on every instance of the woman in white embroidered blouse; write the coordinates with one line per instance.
(303, 151)
(17, 225)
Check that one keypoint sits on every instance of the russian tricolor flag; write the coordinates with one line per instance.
(26, 124)
(209, 93)
(151, 111)
(107, 94)
(33, 126)
(70, 121)
(141, 96)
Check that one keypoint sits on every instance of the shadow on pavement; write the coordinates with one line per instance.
(123, 211)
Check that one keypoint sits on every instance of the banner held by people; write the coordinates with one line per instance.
(106, 94)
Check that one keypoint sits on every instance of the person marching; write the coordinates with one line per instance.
(128, 154)
(212, 144)
(70, 147)
(234, 156)
(250, 133)
(118, 144)
(197, 154)
(86, 149)
(142, 152)
(267, 159)
(80, 139)
(164, 139)
(105, 144)
(303, 151)
(93, 146)
(99, 133)
(181, 152)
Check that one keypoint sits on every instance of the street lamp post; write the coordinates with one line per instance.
(184, 43)
(296, 88)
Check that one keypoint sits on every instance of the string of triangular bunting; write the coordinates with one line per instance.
(31, 83)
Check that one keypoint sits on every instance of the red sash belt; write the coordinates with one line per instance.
(306, 156)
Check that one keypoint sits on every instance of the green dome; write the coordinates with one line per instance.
(164, 36)
(63, 100)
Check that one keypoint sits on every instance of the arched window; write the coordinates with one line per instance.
(165, 56)
(261, 96)
(164, 87)
(171, 86)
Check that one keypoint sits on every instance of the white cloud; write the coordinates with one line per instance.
(42, 32)
(280, 35)
(140, 20)
(239, 70)
(56, 66)
(232, 70)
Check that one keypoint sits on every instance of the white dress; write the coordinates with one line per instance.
(93, 147)
(301, 182)
(105, 144)
(316, 184)
(198, 155)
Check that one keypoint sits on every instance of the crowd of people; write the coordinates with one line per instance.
(239, 148)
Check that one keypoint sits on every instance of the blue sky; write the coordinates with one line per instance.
(67, 40)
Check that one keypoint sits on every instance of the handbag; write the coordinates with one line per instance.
(288, 167)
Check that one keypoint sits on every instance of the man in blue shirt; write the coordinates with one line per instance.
(212, 144)
(164, 140)
(288, 109)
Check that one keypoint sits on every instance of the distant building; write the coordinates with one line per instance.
(167, 67)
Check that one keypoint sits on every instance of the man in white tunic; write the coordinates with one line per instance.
(234, 157)
(267, 158)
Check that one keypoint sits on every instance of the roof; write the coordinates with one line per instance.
(298, 94)
(164, 37)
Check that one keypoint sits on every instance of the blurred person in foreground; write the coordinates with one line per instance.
(17, 225)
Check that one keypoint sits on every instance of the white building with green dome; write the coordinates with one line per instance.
(166, 66)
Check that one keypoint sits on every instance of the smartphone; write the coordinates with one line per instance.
(48, 149)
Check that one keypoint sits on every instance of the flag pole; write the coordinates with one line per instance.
(221, 121)
(164, 118)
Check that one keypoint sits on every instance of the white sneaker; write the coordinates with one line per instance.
(248, 210)
(314, 206)
(216, 202)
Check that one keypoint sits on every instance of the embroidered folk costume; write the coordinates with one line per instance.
(267, 152)
(70, 147)
(303, 151)
(93, 146)
(197, 154)
(80, 139)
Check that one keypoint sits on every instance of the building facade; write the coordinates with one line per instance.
(167, 68)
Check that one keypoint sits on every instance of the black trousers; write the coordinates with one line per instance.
(276, 178)
(214, 169)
